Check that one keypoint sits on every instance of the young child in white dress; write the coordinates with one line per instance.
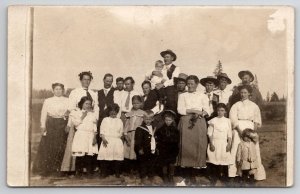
(246, 157)
(111, 151)
(220, 138)
(84, 145)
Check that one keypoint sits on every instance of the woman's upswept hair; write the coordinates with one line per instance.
(83, 100)
(58, 84)
(193, 77)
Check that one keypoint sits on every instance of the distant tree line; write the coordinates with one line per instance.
(44, 93)
(274, 98)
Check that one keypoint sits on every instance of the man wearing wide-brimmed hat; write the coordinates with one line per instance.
(169, 68)
(210, 83)
(223, 92)
(247, 79)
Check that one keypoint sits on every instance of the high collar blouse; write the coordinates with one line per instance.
(55, 107)
(193, 100)
(245, 110)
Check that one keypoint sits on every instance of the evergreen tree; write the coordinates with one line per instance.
(274, 97)
(218, 69)
(268, 97)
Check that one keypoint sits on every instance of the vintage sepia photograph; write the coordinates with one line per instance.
(162, 96)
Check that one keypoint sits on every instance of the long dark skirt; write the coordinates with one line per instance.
(52, 147)
(193, 143)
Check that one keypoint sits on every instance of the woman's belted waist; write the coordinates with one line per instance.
(245, 120)
(56, 117)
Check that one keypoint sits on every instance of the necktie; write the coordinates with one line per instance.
(127, 101)
(209, 99)
(105, 92)
(88, 94)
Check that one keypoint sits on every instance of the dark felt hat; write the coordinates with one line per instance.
(224, 75)
(169, 112)
(203, 81)
(168, 51)
(181, 77)
(242, 73)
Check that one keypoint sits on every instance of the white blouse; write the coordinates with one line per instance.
(76, 95)
(219, 128)
(55, 107)
(195, 100)
(245, 110)
(124, 96)
(89, 123)
(111, 127)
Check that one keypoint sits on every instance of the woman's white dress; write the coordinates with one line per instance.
(220, 130)
(112, 130)
(244, 114)
(85, 132)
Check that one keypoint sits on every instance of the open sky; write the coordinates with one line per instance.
(126, 41)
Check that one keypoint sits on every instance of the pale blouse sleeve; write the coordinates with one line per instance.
(175, 74)
(103, 126)
(75, 116)
(181, 107)
(205, 104)
(72, 101)
(257, 115)
(210, 129)
(233, 115)
(44, 113)
(229, 132)
(96, 104)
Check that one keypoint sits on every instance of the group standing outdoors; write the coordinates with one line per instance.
(172, 128)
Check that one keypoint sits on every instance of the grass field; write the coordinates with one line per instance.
(273, 153)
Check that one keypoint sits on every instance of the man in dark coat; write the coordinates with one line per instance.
(105, 96)
(247, 79)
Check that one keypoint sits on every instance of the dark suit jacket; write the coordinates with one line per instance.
(104, 101)
(151, 100)
(171, 98)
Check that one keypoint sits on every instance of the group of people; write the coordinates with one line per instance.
(171, 125)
